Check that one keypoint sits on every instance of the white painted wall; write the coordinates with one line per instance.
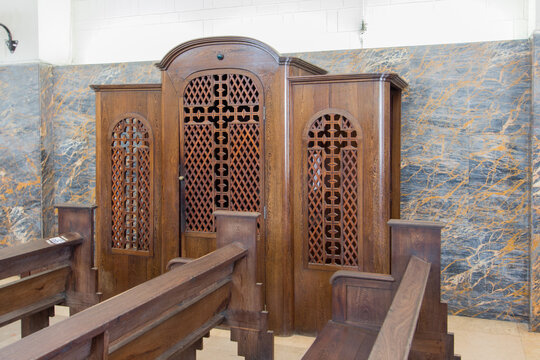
(54, 31)
(99, 31)
(127, 30)
(20, 16)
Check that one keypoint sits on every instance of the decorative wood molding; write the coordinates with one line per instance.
(392, 78)
(237, 40)
(131, 87)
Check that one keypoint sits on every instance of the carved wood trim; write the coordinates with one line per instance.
(223, 145)
(332, 151)
(131, 143)
(238, 40)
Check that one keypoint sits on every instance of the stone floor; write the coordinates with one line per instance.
(475, 339)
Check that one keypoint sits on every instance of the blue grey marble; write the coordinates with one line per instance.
(20, 175)
(535, 187)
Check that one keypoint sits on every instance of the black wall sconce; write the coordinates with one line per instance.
(11, 44)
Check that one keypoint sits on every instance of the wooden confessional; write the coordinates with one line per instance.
(235, 126)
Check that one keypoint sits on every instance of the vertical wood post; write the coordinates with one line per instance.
(99, 347)
(245, 315)
(81, 292)
(35, 322)
(423, 239)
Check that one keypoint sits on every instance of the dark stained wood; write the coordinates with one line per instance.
(125, 263)
(341, 341)
(226, 167)
(401, 311)
(33, 288)
(53, 272)
(247, 321)
(36, 321)
(395, 148)
(165, 334)
(249, 57)
(422, 239)
(129, 310)
(179, 261)
(392, 78)
(361, 298)
(38, 254)
(360, 105)
(396, 334)
(166, 317)
(82, 288)
(42, 307)
(236, 40)
(345, 338)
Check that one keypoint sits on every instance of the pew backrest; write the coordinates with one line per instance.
(53, 271)
(165, 316)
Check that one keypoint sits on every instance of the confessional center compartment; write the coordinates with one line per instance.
(234, 125)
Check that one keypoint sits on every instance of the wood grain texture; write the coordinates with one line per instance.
(364, 101)
(122, 266)
(395, 337)
(53, 272)
(128, 310)
(339, 341)
(225, 166)
(251, 57)
(167, 316)
(33, 288)
(402, 311)
(16, 260)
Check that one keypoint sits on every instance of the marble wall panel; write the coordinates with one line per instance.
(46, 89)
(465, 138)
(20, 174)
(535, 188)
(73, 111)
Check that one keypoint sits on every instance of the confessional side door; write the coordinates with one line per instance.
(221, 155)
(337, 181)
(128, 157)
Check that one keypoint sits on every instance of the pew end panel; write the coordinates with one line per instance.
(423, 239)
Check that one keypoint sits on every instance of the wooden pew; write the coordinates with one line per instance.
(57, 271)
(166, 317)
(396, 316)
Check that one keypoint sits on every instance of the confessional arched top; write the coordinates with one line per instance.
(234, 125)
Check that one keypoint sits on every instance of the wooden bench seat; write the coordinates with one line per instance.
(339, 340)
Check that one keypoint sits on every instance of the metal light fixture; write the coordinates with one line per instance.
(11, 44)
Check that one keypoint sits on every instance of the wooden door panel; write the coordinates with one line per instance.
(221, 153)
(127, 186)
(336, 186)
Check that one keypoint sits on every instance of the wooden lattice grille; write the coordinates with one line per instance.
(131, 170)
(222, 147)
(332, 196)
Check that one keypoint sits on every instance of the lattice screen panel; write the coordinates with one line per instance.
(131, 169)
(222, 147)
(332, 196)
